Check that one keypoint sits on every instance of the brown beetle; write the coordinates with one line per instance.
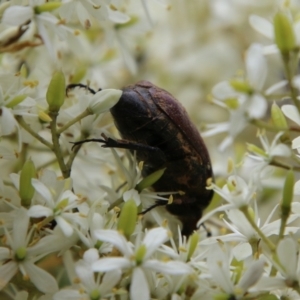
(152, 122)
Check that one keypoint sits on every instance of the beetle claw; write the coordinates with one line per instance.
(86, 141)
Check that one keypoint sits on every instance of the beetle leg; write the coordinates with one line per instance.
(157, 203)
(86, 141)
(123, 144)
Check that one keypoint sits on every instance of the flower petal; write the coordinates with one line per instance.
(287, 254)
(91, 255)
(8, 122)
(43, 191)
(117, 16)
(7, 271)
(38, 211)
(258, 106)
(20, 227)
(17, 15)
(110, 264)
(65, 226)
(296, 143)
(110, 279)
(262, 25)
(256, 66)
(291, 112)
(169, 267)
(252, 275)
(139, 288)
(40, 278)
(115, 238)
(154, 238)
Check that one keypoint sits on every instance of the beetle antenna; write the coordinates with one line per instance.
(208, 232)
(80, 85)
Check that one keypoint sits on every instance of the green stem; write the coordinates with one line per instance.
(73, 121)
(279, 164)
(284, 219)
(289, 75)
(116, 203)
(50, 162)
(271, 246)
(245, 211)
(56, 146)
(263, 125)
(74, 153)
(22, 122)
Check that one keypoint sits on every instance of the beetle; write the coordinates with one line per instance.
(154, 124)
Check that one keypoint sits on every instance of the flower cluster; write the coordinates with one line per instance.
(71, 214)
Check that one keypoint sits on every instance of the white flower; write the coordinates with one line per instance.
(218, 263)
(132, 194)
(90, 286)
(291, 112)
(270, 151)
(288, 265)
(138, 259)
(263, 157)
(58, 204)
(88, 12)
(266, 28)
(46, 24)
(19, 256)
(236, 192)
(244, 234)
(243, 98)
(10, 106)
(88, 237)
(133, 175)
(288, 254)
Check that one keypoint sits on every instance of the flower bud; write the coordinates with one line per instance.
(104, 100)
(44, 117)
(284, 33)
(48, 6)
(21, 253)
(150, 180)
(8, 34)
(127, 219)
(24, 71)
(256, 150)
(230, 166)
(241, 86)
(140, 254)
(95, 294)
(288, 192)
(15, 101)
(56, 92)
(78, 75)
(232, 103)
(222, 297)
(26, 189)
(278, 117)
(193, 242)
(267, 297)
